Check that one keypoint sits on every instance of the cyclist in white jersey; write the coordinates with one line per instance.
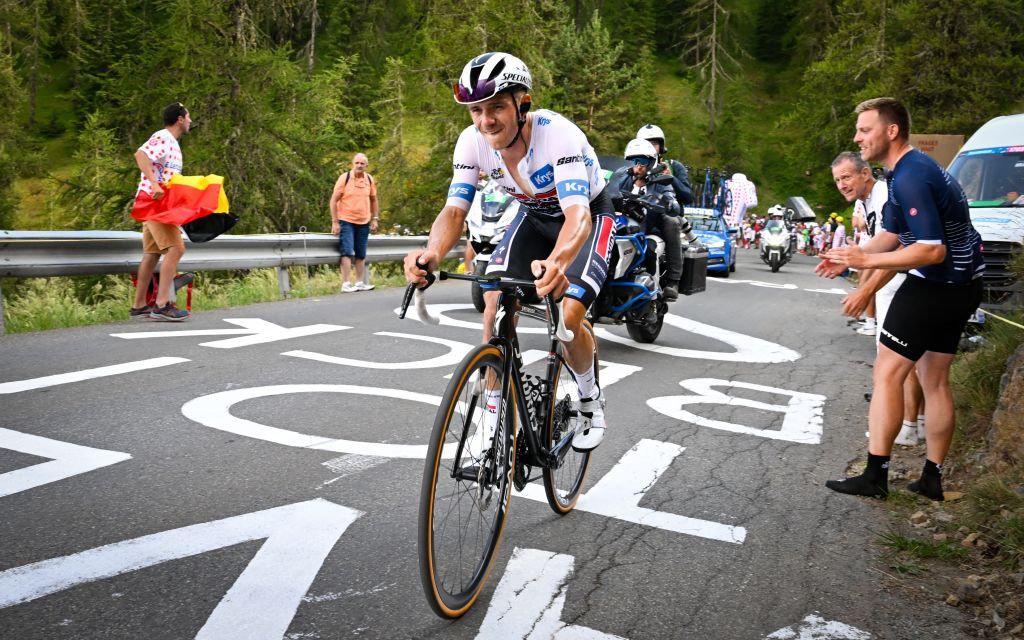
(563, 233)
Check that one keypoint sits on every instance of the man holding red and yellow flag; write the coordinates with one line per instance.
(159, 159)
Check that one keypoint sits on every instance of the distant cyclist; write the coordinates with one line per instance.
(681, 182)
(563, 234)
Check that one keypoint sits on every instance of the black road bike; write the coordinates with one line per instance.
(469, 472)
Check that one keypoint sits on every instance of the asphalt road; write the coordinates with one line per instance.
(254, 473)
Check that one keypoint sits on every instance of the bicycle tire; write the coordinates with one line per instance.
(453, 570)
(562, 484)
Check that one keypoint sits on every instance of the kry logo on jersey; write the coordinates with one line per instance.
(568, 188)
(461, 190)
(541, 121)
(543, 176)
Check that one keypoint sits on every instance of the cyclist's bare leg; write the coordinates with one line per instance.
(580, 352)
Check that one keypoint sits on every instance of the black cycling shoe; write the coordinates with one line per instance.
(929, 486)
(860, 486)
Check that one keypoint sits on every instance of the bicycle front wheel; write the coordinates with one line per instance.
(563, 483)
(466, 487)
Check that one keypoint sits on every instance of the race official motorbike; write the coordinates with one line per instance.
(632, 294)
(776, 248)
(488, 218)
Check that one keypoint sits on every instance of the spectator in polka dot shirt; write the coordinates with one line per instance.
(159, 159)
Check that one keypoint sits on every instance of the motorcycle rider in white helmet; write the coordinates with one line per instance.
(681, 178)
(563, 233)
(635, 178)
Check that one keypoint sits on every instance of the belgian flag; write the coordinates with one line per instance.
(196, 203)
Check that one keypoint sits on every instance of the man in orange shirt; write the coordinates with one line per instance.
(355, 212)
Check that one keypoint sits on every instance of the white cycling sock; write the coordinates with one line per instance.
(869, 322)
(587, 382)
(492, 399)
(920, 426)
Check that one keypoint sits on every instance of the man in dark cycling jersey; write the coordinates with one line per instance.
(927, 215)
(563, 233)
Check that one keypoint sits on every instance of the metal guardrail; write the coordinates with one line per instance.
(42, 254)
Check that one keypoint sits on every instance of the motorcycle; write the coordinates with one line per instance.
(632, 294)
(488, 218)
(776, 248)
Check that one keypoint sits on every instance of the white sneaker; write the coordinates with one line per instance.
(590, 430)
(866, 330)
(907, 436)
(362, 286)
(348, 287)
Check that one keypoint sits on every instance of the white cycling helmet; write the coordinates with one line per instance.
(652, 132)
(488, 74)
(641, 149)
(776, 210)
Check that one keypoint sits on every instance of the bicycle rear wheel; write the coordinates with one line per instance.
(562, 484)
(465, 489)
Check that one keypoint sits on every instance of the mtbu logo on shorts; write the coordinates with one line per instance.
(543, 177)
(568, 188)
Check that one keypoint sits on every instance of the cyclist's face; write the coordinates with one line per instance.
(496, 119)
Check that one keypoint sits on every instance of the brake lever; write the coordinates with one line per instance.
(412, 291)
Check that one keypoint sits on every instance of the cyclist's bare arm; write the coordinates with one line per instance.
(570, 240)
(444, 233)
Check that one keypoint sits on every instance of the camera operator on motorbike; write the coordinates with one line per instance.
(680, 177)
(563, 233)
(636, 179)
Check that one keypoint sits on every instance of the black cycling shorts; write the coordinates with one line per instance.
(928, 316)
(532, 236)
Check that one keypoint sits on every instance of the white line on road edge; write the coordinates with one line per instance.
(260, 604)
(618, 494)
(529, 599)
(814, 627)
(87, 374)
(456, 351)
(776, 285)
(803, 421)
(66, 460)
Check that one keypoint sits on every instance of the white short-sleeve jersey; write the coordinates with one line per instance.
(163, 151)
(560, 166)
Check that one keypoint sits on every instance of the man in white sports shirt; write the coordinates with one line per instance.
(853, 178)
(563, 233)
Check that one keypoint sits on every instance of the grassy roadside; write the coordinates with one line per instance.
(39, 304)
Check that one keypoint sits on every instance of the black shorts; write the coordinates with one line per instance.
(532, 236)
(928, 316)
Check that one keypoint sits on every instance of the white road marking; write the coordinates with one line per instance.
(618, 494)
(529, 599)
(254, 331)
(66, 460)
(776, 285)
(803, 413)
(456, 352)
(87, 374)
(262, 601)
(748, 348)
(214, 411)
(814, 627)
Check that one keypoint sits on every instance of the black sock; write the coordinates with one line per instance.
(932, 469)
(874, 482)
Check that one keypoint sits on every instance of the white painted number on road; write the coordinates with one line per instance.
(529, 599)
(253, 331)
(263, 600)
(803, 413)
(814, 627)
(66, 460)
(87, 374)
(618, 494)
